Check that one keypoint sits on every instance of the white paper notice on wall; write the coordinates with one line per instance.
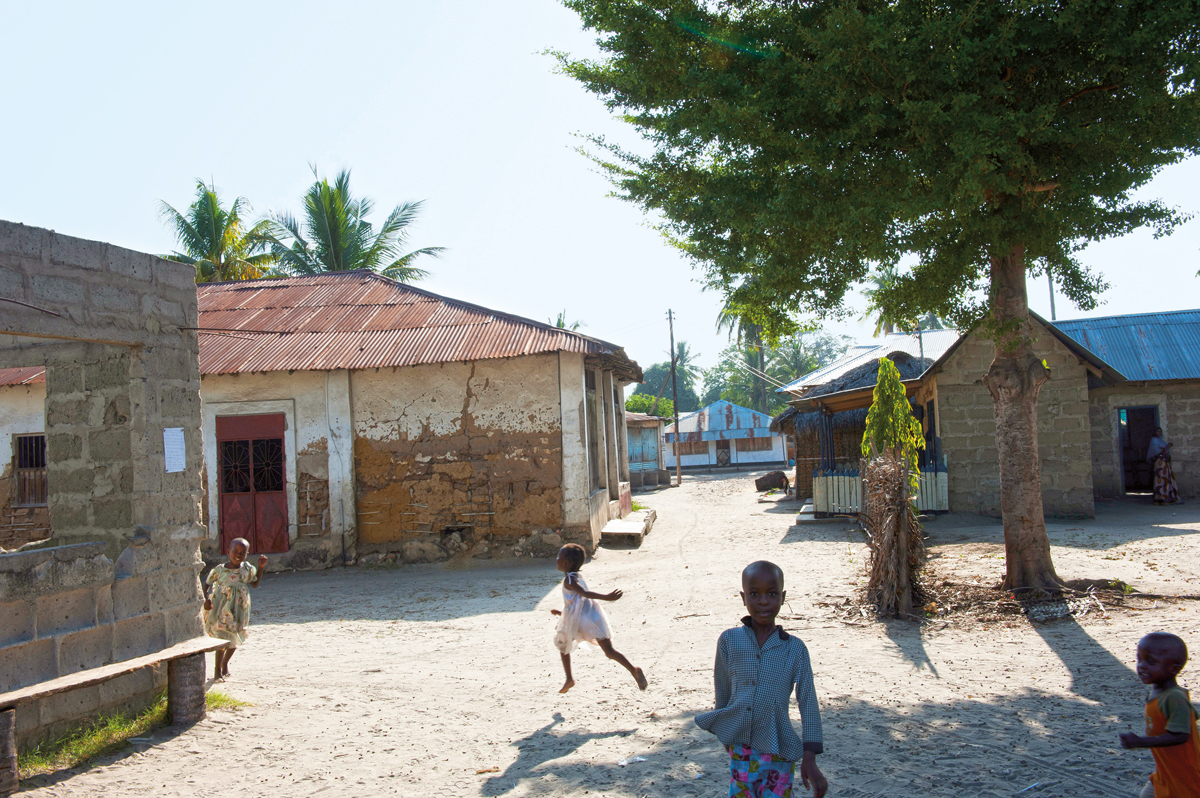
(173, 449)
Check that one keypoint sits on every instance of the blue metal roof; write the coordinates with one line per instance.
(1144, 346)
(721, 421)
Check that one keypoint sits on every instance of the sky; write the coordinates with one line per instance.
(114, 108)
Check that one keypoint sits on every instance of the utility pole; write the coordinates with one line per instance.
(1050, 279)
(675, 391)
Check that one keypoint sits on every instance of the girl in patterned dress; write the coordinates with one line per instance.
(582, 618)
(227, 601)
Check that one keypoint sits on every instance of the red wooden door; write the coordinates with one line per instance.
(252, 482)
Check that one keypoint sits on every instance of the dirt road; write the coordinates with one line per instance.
(430, 682)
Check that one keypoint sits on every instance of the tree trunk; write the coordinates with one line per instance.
(760, 384)
(1014, 380)
(904, 601)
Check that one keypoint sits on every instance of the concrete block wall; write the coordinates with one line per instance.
(968, 429)
(111, 328)
(1179, 413)
(69, 608)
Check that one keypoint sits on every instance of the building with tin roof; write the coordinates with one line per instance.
(348, 417)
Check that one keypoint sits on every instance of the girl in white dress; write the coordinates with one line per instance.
(582, 618)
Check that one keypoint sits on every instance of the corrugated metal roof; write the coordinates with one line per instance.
(721, 420)
(1144, 346)
(935, 343)
(29, 375)
(357, 320)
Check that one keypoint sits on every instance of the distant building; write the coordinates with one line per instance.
(646, 463)
(725, 435)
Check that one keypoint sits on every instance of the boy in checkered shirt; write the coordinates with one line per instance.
(758, 665)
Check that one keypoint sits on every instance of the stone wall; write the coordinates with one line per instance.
(1179, 414)
(457, 459)
(109, 325)
(968, 429)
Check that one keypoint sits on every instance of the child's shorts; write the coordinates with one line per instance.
(755, 775)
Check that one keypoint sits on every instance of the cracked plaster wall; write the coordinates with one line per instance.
(468, 449)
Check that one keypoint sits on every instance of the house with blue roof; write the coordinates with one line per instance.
(1113, 380)
(724, 435)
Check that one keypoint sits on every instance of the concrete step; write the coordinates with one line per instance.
(629, 530)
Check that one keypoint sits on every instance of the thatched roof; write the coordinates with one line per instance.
(791, 422)
(866, 375)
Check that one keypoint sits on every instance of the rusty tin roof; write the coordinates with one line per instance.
(359, 319)
(29, 375)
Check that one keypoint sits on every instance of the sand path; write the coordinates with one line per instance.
(408, 681)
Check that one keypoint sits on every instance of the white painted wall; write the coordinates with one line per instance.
(690, 459)
(575, 480)
(775, 454)
(22, 411)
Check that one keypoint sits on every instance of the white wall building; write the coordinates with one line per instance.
(724, 435)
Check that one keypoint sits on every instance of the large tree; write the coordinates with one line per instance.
(333, 234)
(793, 146)
(215, 240)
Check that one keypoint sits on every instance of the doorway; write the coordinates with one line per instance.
(1137, 426)
(252, 483)
(722, 453)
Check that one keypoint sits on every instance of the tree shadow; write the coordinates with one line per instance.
(822, 533)
(909, 639)
(1095, 671)
(540, 747)
(416, 593)
(1116, 523)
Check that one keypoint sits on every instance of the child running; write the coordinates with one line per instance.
(758, 665)
(227, 601)
(1170, 720)
(584, 619)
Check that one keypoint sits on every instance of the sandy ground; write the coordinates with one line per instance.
(410, 681)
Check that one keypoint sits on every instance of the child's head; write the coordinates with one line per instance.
(762, 591)
(571, 557)
(1161, 656)
(239, 548)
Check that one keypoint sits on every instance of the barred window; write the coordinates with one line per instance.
(29, 457)
(754, 444)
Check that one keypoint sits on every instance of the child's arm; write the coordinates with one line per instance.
(570, 584)
(262, 563)
(722, 684)
(1131, 740)
(810, 718)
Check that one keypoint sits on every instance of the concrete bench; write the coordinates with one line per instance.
(185, 693)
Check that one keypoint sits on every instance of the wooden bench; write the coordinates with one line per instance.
(185, 693)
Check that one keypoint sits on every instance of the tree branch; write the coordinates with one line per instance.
(1048, 185)
(1088, 90)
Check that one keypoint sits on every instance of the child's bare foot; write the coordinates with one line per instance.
(567, 685)
(641, 678)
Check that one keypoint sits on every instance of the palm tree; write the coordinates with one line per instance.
(214, 239)
(335, 235)
(742, 328)
(561, 322)
(885, 321)
(685, 368)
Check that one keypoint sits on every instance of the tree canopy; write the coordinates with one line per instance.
(333, 234)
(642, 402)
(798, 144)
(215, 240)
(793, 147)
